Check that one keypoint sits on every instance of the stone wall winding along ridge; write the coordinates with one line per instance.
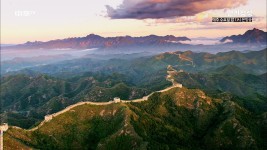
(145, 98)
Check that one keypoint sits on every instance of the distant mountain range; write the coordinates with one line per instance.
(254, 36)
(96, 41)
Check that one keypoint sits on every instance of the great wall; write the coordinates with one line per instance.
(184, 58)
(170, 72)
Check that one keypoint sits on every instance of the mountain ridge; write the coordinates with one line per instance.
(145, 98)
(96, 41)
(45, 90)
(178, 118)
(254, 36)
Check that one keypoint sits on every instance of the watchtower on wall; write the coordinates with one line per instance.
(3, 127)
(48, 118)
(117, 99)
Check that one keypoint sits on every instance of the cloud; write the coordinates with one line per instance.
(204, 41)
(198, 18)
(156, 9)
(227, 41)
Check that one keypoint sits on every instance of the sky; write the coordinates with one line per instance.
(43, 20)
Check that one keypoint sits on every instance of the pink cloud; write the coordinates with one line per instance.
(155, 9)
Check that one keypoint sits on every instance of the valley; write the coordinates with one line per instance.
(170, 100)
